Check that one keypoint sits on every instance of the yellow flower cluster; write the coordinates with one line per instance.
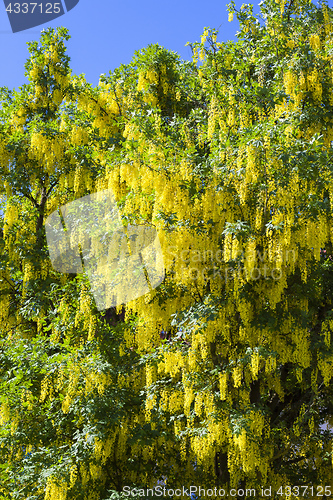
(46, 389)
(314, 85)
(145, 79)
(237, 374)
(290, 81)
(79, 136)
(314, 42)
(46, 150)
(212, 117)
(255, 358)
(327, 22)
(55, 489)
(34, 73)
(96, 380)
(251, 171)
(4, 413)
(326, 368)
(72, 388)
(61, 79)
(175, 401)
(57, 96)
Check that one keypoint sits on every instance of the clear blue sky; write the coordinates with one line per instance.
(106, 33)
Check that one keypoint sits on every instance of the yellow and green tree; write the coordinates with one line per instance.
(222, 375)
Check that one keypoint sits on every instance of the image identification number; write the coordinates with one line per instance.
(318, 491)
(30, 8)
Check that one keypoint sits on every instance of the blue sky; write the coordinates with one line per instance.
(106, 33)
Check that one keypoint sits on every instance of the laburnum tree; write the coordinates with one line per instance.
(222, 375)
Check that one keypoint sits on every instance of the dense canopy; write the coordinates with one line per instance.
(221, 376)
